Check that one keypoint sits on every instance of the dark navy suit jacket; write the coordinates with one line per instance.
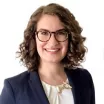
(26, 88)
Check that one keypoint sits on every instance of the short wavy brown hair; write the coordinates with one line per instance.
(76, 50)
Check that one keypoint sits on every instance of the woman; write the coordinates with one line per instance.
(52, 50)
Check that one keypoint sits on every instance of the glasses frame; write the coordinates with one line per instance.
(53, 34)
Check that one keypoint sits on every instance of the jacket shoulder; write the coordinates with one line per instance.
(19, 77)
(80, 72)
(12, 87)
(83, 82)
(18, 80)
(81, 77)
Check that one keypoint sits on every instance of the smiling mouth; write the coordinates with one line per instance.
(52, 50)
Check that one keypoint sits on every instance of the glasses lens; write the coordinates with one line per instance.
(43, 35)
(61, 35)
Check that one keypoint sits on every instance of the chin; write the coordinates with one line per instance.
(53, 60)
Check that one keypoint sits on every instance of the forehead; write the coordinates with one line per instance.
(49, 22)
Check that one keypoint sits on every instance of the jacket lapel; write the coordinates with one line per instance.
(74, 83)
(37, 88)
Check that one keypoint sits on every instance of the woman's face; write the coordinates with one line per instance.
(52, 50)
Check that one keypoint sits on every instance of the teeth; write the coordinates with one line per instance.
(52, 50)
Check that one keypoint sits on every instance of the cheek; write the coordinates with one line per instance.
(39, 45)
(65, 46)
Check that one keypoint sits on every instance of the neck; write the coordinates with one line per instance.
(51, 68)
(52, 73)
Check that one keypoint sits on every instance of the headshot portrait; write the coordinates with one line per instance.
(52, 51)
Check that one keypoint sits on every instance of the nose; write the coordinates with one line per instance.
(52, 41)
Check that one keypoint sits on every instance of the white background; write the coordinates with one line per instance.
(14, 15)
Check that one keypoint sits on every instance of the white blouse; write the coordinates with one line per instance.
(54, 97)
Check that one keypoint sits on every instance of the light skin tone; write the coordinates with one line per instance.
(51, 52)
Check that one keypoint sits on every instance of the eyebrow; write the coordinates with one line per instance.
(63, 29)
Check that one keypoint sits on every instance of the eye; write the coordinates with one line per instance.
(44, 32)
(61, 33)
